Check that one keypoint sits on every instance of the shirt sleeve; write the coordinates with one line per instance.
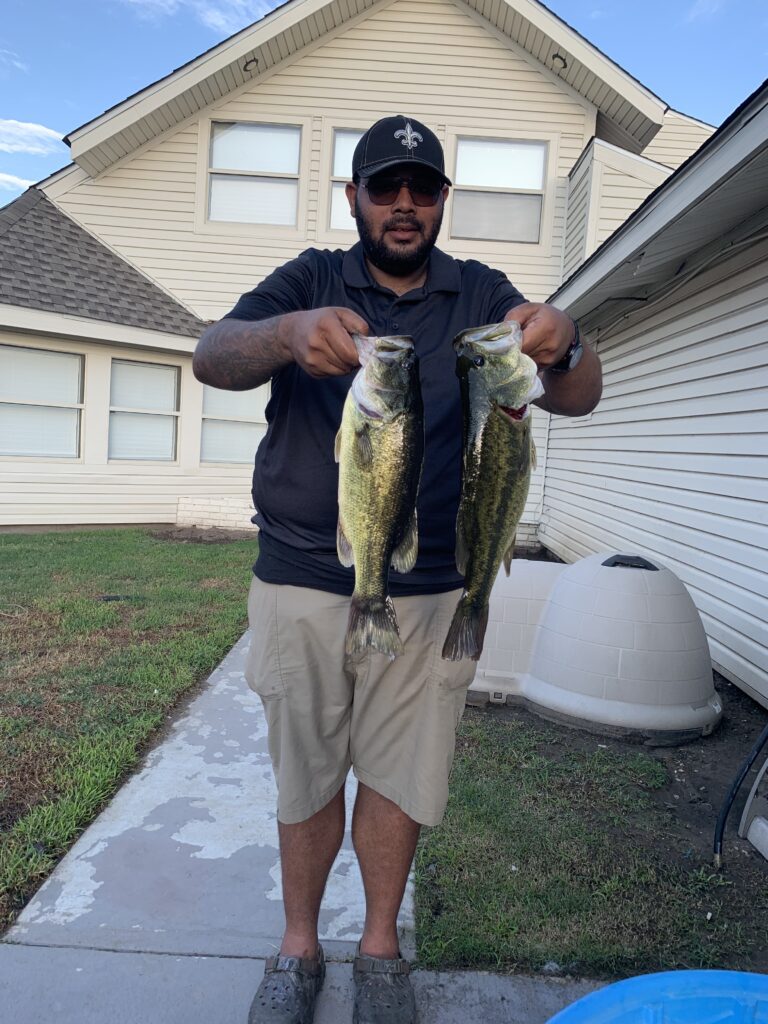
(503, 297)
(288, 289)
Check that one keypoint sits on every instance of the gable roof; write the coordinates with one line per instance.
(49, 262)
(629, 114)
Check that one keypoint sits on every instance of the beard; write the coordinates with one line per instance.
(396, 259)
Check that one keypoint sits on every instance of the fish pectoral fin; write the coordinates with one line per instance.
(364, 446)
(404, 555)
(343, 547)
(508, 555)
(337, 446)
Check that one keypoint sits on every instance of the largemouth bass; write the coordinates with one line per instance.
(380, 449)
(498, 383)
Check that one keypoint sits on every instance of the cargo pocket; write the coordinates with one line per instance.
(451, 685)
(262, 665)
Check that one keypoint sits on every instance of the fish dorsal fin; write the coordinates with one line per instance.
(343, 547)
(404, 555)
(337, 446)
(364, 446)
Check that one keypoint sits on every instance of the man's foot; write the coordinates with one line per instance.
(383, 991)
(288, 990)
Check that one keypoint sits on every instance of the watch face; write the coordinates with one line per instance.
(576, 355)
(571, 358)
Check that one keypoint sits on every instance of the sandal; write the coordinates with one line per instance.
(288, 990)
(383, 991)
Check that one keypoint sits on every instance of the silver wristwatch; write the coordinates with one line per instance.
(572, 357)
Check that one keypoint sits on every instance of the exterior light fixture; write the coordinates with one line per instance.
(251, 64)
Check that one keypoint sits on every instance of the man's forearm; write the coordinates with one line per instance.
(575, 393)
(241, 354)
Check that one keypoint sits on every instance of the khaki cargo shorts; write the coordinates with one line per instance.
(393, 722)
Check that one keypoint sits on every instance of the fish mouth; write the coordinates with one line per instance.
(516, 414)
(493, 339)
(389, 347)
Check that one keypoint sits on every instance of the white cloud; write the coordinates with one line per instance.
(10, 61)
(703, 9)
(222, 16)
(25, 137)
(10, 183)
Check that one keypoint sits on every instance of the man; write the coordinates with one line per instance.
(394, 723)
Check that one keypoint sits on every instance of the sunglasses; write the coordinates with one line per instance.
(384, 190)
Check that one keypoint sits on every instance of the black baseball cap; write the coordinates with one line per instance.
(397, 140)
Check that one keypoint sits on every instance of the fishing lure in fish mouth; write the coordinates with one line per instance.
(498, 384)
(380, 450)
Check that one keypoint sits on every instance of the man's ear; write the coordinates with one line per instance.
(350, 190)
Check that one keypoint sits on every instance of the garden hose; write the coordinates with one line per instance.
(731, 795)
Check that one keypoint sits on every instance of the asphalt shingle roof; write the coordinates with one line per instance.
(49, 262)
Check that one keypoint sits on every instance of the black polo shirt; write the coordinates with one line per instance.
(295, 480)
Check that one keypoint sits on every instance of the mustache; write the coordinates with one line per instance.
(402, 222)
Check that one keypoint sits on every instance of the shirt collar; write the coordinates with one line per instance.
(443, 274)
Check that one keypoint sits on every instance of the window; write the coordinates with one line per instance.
(344, 142)
(231, 424)
(143, 411)
(499, 190)
(41, 402)
(254, 173)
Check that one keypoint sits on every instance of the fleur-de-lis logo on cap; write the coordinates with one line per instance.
(408, 136)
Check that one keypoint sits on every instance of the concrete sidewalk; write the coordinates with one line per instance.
(166, 907)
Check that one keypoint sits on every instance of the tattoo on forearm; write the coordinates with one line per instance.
(238, 355)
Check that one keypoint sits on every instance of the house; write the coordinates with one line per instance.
(204, 181)
(673, 463)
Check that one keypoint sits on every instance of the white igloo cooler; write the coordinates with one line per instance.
(611, 643)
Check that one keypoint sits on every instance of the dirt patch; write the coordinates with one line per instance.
(203, 534)
(699, 775)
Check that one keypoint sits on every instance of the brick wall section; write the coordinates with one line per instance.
(223, 512)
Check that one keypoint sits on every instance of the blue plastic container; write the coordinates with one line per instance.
(675, 997)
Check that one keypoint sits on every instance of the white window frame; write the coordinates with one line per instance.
(7, 399)
(471, 246)
(325, 233)
(133, 460)
(204, 169)
(260, 421)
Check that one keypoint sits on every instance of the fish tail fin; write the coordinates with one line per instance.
(373, 623)
(466, 632)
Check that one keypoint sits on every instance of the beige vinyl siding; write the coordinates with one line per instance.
(620, 194)
(672, 463)
(677, 139)
(579, 211)
(93, 489)
(430, 58)
(606, 186)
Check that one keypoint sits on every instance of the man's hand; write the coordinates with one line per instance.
(547, 335)
(319, 340)
(547, 332)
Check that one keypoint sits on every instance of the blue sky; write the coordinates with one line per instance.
(63, 62)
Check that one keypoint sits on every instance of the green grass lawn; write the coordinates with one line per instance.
(553, 847)
(553, 852)
(85, 682)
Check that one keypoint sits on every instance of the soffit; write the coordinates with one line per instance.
(626, 109)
